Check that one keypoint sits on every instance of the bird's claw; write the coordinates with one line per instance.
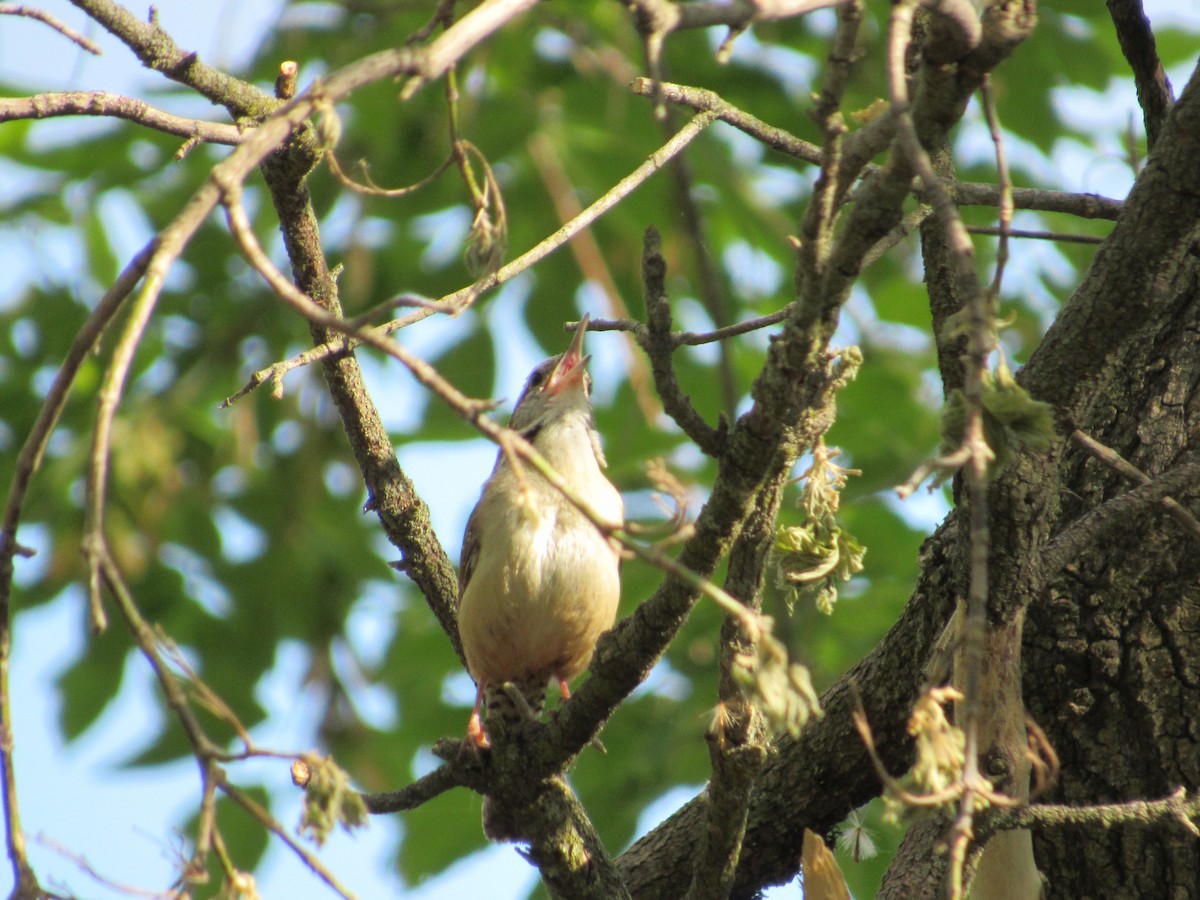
(476, 735)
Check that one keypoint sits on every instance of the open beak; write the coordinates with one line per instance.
(571, 365)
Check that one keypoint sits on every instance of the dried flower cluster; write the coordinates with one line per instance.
(329, 800)
(810, 558)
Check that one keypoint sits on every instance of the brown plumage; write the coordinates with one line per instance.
(539, 583)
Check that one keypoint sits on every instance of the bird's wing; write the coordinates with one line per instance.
(470, 550)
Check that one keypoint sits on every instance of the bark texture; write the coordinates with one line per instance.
(1111, 669)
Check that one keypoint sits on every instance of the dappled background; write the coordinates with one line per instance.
(240, 529)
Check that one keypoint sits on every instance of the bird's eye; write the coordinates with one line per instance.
(538, 377)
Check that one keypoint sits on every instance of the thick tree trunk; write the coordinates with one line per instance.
(1112, 670)
(1109, 661)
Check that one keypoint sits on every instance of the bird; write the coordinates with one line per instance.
(539, 582)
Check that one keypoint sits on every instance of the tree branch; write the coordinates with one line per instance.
(421, 791)
(17, 9)
(663, 16)
(738, 738)
(1118, 463)
(1116, 514)
(1176, 809)
(28, 461)
(655, 340)
(878, 208)
(102, 103)
(796, 789)
(453, 302)
(1137, 43)
(1087, 206)
(467, 32)
(267, 821)
(158, 51)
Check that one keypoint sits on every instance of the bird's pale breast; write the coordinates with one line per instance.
(546, 583)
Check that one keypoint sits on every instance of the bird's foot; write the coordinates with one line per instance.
(518, 700)
(477, 737)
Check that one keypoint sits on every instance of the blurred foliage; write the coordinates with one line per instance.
(241, 529)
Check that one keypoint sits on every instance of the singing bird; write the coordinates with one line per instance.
(539, 583)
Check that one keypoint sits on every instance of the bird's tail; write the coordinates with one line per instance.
(516, 700)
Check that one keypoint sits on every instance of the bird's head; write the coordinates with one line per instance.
(555, 387)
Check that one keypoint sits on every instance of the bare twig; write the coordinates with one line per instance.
(170, 245)
(655, 340)
(1114, 514)
(1056, 236)
(1085, 206)
(102, 103)
(535, 254)
(267, 821)
(28, 461)
(156, 50)
(980, 340)
(468, 31)
(703, 100)
(371, 189)
(85, 866)
(692, 338)
(1118, 463)
(29, 12)
(1005, 210)
(1175, 809)
(712, 286)
(419, 792)
(664, 17)
(147, 642)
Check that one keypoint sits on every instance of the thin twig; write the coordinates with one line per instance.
(169, 246)
(712, 285)
(28, 461)
(470, 30)
(29, 12)
(85, 866)
(592, 263)
(419, 792)
(1056, 236)
(1177, 808)
(736, 14)
(654, 339)
(1005, 210)
(1118, 463)
(144, 637)
(1114, 514)
(102, 103)
(980, 340)
(535, 254)
(964, 193)
(267, 821)
(692, 338)
(703, 100)
(369, 188)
